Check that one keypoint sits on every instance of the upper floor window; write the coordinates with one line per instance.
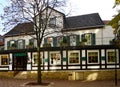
(32, 43)
(52, 22)
(21, 44)
(89, 38)
(12, 44)
(74, 40)
(48, 42)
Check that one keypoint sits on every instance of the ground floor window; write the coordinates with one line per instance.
(55, 58)
(35, 59)
(111, 56)
(74, 57)
(93, 57)
(4, 60)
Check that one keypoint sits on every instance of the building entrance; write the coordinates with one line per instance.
(19, 61)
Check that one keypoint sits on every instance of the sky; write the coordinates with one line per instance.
(103, 7)
(81, 7)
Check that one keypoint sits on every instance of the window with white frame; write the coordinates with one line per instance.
(21, 44)
(35, 59)
(11, 44)
(52, 22)
(74, 57)
(111, 56)
(59, 40)
(55, 58)
(73, 40)
(4, 60)
(93, 57)
(88, 38)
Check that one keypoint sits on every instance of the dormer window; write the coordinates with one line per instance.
(52, 22)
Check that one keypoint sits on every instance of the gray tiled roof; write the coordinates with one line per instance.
(22, 28)
(88, 21)
(83, 22)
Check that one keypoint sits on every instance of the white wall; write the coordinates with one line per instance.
(24, 37)
(103, 35)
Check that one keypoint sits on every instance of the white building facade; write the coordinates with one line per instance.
(63, 50)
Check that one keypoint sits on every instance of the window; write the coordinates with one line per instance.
(59, 40)
(74, 57)
(35, 59)
(111, 56)
(73, 40)
(48, 41)
(11, 44)
(89, 37)
(55, 58)
(4, 60)
(21, 44)
(52, 22)
(93, 57)
(33, 43)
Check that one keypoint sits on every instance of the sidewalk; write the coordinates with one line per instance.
(5, 82)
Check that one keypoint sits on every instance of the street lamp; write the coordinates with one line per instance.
(117, 34)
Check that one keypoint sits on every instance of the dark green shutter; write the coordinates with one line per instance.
(54, 41)
(45, 40)
(93, 39)
(23, 44)
(16, 44)
(77, 40)
(68, 40)
(8, 44)
(82, 37)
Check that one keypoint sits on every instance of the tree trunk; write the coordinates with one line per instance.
(39, 77)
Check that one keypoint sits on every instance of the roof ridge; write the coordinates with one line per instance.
(82, 15)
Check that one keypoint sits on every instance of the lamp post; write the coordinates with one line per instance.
(116, 45)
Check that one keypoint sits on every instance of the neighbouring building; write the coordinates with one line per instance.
(85, 45)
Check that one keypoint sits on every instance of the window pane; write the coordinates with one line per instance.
(55, 58)
(74, 58)
(4, 60)
(111, 57)
(52, 22)
(73, 40)
(35, 59)
(92, 57)
(59, 40)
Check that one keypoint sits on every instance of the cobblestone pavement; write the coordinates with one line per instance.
(8, 82)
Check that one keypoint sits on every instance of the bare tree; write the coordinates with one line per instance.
(37, 12)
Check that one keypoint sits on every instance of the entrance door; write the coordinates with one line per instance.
(19, 62)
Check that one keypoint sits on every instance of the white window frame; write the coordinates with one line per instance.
(20, 44)
(52, 22)
(74, 51)
(58, 54)
(88, 56)
(1, 59)
(112, 50)
(73, 40)
(33, 62)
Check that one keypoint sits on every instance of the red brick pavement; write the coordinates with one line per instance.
(8, 82)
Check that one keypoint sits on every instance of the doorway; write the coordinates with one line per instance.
(19, 61)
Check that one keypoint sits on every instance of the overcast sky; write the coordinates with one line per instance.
(103, 7)
(81, 7)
